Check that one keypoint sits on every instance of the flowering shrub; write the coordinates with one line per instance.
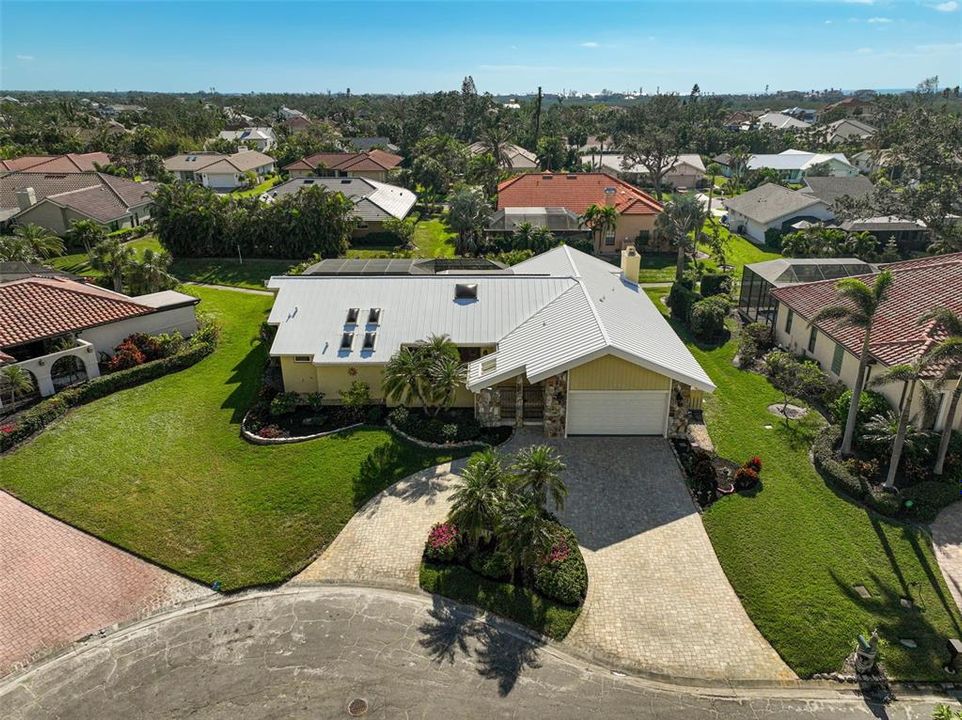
(271, 431)
(755, 463)
(449, 432)
(400, 416)
(746, 478)
(126, 355)
(284, 403)
(442, 542)
(559, 552)
(563, 575)
(8, 428)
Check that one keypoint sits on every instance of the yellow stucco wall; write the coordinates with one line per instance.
(612, 373)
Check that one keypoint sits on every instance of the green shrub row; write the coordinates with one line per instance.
(920, 502)
(45, 412)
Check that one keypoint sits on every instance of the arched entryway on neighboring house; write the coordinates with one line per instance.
(67, 370)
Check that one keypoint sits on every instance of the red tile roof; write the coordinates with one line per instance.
(69, 163)
(371, 160)
(574, 191)
(37, 308)
(918, 286)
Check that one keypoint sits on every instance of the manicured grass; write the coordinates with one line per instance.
(739, 252)
(795, 551)
(257, 189)
(510, 601)
(657, 267)
(162, 470)
(79, 263)
(433, 239)
(251, 273)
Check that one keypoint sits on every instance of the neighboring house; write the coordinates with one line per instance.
(263, 138)
(575, 192)
(374, 202)
(741, 120)
(560, 221)
(755, 302)
(69, 163)
(870, 161)
(364, 144)
(864, 107)
(520, 159)
(219, 171)
(18, 270)
(829, 189)
(847, 129)
(909, 235)
(373, 164)
(56, 201)
(109, 111)
(58, 329)
(771, 206)
(404, 266)
(781, 121)
(294, 119)
(286, 113)
(918, 286)
(793, 165)
(546, 344)
(687, 171)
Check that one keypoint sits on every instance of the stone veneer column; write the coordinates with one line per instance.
(488, 406)
(680, 401)
(555, 405)
(519, 401)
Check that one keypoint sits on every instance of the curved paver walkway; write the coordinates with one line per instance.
(307, 653)
(382, 544)
(947, 541)
(58, 584)
(658, 601)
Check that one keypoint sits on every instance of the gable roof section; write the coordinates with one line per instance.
(918, 286)
(373, 200)
(212, 162)
(793, 160)
(69, 163)
(37, 308)
(574, 191)
(96, 195)
(372, 160)
(769, 202)
(829, 189)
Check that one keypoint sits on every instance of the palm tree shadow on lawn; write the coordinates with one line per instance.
(245, 377)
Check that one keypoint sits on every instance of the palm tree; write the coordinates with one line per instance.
(494, 140)
(150, 273)
(467, 213)
(909, 375)
(860, 303)
(679, 222)
(17, 380)
(112, 257)
(87, 233)
(945, 359)
(477, 497)
(524, 533)
(886, 429)
(537, 472)
(601, 219)
(738, 162)
(43, 244)
(713, 170)
(404, 377)
(446, 375)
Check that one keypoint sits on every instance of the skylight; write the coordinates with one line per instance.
(347, 339)
(374, 317)
(466, 291)
(369, 339)
(352, 314)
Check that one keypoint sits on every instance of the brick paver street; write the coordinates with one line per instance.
(947, 541)
(58, 585)
(658, 601)
(382, 544)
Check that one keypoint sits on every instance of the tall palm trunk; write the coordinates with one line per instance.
(849, 435)
(680, 262)
(947, 428)
(899, 443)
(711, 192)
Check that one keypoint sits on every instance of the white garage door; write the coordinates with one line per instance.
(617, 412)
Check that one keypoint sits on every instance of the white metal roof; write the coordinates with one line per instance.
(373, 200)
(555, 311)
(793, 160)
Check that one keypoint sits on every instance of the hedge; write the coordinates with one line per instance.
(38, 417)
(928, 497)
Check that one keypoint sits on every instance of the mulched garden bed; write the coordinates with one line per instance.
(456, 425)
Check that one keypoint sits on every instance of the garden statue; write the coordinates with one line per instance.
(866, 653)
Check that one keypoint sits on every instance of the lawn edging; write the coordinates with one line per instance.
(439, 446)
(31, 422)
(256, 439)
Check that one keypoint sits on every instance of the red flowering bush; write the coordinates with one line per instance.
(442, 542)
(559, 552)
(746, 478)
(8, 428)
(755, 463)
(127, 355)
(271, 431)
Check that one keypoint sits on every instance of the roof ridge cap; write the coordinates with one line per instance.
(594, 312)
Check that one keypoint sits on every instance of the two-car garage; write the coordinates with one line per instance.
(617, 412)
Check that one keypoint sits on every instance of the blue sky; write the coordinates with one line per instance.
(739, 45)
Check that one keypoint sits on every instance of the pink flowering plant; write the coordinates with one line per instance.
(442, 544)
(559, 552)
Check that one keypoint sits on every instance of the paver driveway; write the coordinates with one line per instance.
(658, 601)
(58, 585)
(947, 541)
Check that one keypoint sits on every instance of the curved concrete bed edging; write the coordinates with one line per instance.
(436, 446)
(258, 440)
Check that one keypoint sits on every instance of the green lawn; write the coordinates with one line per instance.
(432, 239)
(515, 603)
(795, 551)
(660, 267)
(251, 273)
(257, 189)
(79, 263)
(161, 469)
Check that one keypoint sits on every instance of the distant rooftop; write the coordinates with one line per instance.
(404, 266)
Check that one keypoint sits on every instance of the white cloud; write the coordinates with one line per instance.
(25, 58)
(828, 22)
(949, 6)
(879, 20)
(864, 51)
(590, 44)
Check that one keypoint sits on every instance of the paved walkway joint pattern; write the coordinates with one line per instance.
(947, 542)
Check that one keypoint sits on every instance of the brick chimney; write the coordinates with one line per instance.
(630, 264)
(26, 197)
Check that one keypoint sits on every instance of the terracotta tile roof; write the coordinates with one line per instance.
(371, 160)
(69, 163)
(37, 308)
(918, 286)
(96, 195)
(574, 191)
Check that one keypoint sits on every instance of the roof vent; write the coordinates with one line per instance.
(347, 339)
(571, 177)
(466, 291)
(547, 177)
(352, 314)
(374, 317)
(369, 339)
